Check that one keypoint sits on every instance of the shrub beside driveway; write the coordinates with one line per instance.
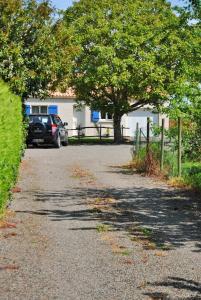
(11, 140)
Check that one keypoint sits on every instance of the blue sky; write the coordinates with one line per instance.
(62, 4)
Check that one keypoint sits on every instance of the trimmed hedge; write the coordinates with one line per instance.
(11, 141)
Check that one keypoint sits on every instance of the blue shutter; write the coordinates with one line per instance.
(95, 116)
(53, 110)
(27, 110)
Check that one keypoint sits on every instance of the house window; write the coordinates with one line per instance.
(37, 109)
(106, 116)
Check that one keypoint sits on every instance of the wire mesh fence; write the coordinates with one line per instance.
(165, 149)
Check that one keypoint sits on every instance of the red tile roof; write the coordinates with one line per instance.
(68, 94)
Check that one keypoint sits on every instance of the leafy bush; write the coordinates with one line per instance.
(191, 138)
(11, 141)
(192, 174)
(194, 180)
(192, 143)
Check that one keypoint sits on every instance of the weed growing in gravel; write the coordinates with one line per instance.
(102, 204)
(125, 252)
(165, 247)
(177, 182)
(146, 231)
(144, 236)
(140, 232)
(103, 228)
(150, 246)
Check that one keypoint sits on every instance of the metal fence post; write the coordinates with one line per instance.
(162, 145)
(137, 139)
(100, 132)
(140, 139)
(79, 131)
(148, 135)
(122, 133)
(179, 145)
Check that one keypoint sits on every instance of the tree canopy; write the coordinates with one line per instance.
(28, 46)
(131, 54)
(195, 5)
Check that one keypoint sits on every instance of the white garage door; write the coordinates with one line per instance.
(140, 116)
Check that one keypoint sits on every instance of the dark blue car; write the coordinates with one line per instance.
(47, 129)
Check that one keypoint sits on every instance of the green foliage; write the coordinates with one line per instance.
(131, 53)
(192, 144)
(89, 140)
(194, 180)
(195, 7)
(29, 53)
(11, 140)
(170, 159)
(194, 130)
(191, 137)
(195, 3)
(103, 228)
(191, 171)
(146, 231)
(192, 174)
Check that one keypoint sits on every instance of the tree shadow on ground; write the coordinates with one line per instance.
(182, 285)
(172, 217)
(198, 247)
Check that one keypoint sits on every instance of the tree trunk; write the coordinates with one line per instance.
(117, 128)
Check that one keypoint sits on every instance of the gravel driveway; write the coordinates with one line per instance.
(85, 228)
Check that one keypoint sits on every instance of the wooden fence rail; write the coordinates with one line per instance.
(99, 129)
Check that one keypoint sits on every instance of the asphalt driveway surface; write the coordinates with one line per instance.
(82, 227)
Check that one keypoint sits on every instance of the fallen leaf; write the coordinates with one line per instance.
(9, 267)
(150, 246)
(11, 234)
(8, 225)
(145, 259)
(10, 213)
(142, 285)
(128, 261)
(160, 253)
(16, 189)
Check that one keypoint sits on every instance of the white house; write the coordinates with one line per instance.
(64, 104)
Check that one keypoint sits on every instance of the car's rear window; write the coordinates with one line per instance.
(40, 119)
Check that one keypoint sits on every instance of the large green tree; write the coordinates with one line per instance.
(131, 54)
(29, 54)
(195, 7)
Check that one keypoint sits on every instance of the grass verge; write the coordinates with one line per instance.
(89, 140)
(150, 165)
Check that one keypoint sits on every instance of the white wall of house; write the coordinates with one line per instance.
(96, 125)
(79, 117)
(68, 112)
(140, 116)
(65, 107)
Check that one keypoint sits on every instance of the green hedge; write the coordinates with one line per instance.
(11, 141)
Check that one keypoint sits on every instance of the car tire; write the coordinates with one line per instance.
(64, 143)
(58, 142)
